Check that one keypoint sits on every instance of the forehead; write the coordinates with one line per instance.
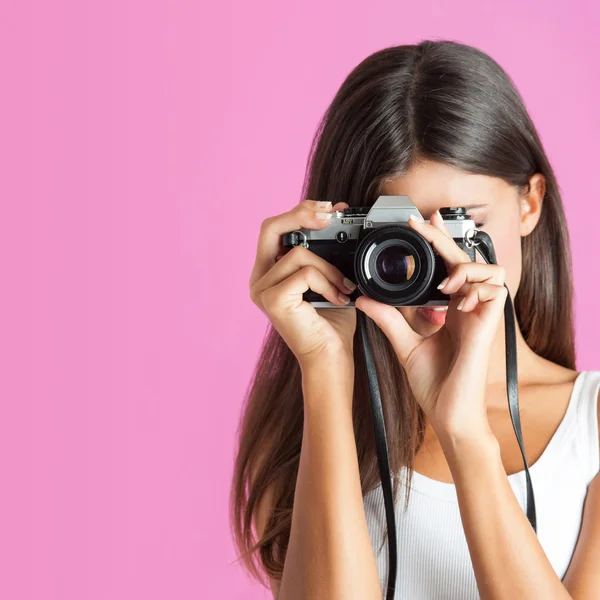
(432, 185)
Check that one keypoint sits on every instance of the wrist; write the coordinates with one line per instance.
(327, 383)
(463, 448)
(327, 360)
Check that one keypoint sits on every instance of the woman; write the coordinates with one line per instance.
(442, 123)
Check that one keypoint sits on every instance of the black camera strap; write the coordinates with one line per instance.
(484, 246)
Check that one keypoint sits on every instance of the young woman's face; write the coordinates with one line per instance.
(496, 208)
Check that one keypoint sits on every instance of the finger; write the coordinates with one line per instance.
(390, 320)
(482, 293)
(438, 221)
(463, 275)
(339, 206)
(445, 245)
(301, 216)
(287, 295)
(296, 259)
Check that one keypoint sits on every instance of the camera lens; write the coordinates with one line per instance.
(395, 265)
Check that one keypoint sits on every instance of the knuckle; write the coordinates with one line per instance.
(297, 252)
(462, 269)
(304, 212)
(311, 212)
(266, 223)
(459, 271)
(266, 298)
(310, 272)
(488, 290)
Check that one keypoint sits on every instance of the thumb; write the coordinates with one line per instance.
(390, 320)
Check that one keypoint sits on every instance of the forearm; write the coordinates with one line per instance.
(507, 558)
(329, 553)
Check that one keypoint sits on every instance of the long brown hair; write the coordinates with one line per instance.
(441, 101)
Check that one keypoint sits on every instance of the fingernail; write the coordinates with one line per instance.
(416, 218)
(323, 204)
(460, 304)
(323, 216)
(350, 285)
(343, 298)
(443, 283)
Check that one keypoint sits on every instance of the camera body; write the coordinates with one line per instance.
(375, 247)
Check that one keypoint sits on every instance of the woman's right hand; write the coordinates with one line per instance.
(279, 279)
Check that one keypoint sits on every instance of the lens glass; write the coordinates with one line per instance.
(395, 265)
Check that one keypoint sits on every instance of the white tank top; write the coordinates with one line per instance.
(433, 555)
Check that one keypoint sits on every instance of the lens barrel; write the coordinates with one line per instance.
(394, 264)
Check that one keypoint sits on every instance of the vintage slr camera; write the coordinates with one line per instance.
(390, 262)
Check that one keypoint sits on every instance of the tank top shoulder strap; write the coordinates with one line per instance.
(587, 419)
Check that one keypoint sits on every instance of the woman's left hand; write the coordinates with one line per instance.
(447, 371)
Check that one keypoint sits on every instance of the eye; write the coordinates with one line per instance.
(472, 216)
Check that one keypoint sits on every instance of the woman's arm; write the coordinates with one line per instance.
(329, 554)
(507, 558)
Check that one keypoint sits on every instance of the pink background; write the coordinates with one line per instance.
(141, 146)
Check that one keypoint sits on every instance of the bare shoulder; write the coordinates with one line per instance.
(562, 380)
